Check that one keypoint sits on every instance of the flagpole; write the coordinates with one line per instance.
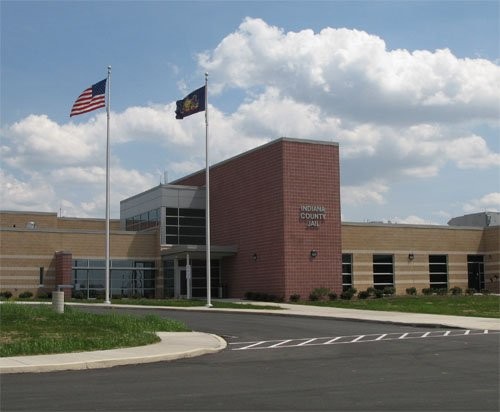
(106, 299)
(207, 185)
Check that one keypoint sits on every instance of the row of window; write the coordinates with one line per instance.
(127, 278)
(185, 226)
(143, 221)
(383, 271)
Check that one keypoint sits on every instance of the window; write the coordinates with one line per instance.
(143, 221)
(438, 271)
(346, 271)
(127, 278)
(383, 271)
(185, 226)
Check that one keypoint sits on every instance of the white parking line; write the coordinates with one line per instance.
(280, 343)
(303, 342)
(307, 341)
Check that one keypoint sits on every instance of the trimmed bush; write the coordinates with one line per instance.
(427, 291)
(319, 294)
(389, 290)
(470, 291)
(295, 297)
(6, 294)
(442, 291)
(411, 291)
(378, 293)
(332, 296)
(42, 294)
(25, 295)
(364, 294)
(371, 291)
(456, 291)
(348, 294)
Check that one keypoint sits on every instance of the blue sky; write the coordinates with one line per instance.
(409, 89)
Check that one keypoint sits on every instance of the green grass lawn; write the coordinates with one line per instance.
(38, 329)
(184, 303)
(482, 306)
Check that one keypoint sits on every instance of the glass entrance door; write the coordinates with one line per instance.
(475, 267)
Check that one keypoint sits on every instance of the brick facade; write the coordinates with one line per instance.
(255, 205)
(256, 202)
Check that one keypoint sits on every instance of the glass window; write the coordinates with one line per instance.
(346, 271)
(383, 271)
(185, 226)
(124, 279)
(438, 271)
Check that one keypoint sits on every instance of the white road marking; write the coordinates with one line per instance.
(304, 342)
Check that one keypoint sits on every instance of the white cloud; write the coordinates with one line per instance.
(16, 194)
(397, 115)
(352, 73)
(487, 203)
(472, 152)
(370, 192)
(411, 220)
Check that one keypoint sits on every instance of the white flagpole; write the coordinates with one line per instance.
(207, 185)
(106, 299)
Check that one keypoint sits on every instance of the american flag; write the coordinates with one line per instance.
(92, 98)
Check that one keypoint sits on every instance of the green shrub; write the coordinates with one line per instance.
(295, 297)
(378, 293)
(371, 291)
(319, 294)
(441, 291)
(427, 291)
(332, 296)
(348, 294)
(411, 291)
(364, 294)
(470, 291)
(42, 294)
(25, 295)
(6, 294)
(389, 290)
(456, 291)
(78, 295)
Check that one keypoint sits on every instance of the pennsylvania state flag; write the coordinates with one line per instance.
(193, 103)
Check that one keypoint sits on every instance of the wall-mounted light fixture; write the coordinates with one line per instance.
(254, 257)
(411, 256)
(314, 253)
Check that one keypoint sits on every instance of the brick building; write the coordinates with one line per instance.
(275, 228)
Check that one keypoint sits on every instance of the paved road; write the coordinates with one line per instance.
(296, 364)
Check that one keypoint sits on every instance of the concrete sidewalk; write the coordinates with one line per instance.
(176, 345)
(173, 345)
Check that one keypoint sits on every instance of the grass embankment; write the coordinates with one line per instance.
(479, 306)
(187, 303)
(38, 329)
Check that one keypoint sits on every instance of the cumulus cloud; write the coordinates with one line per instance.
(489, 202)
(352, 73)
(370, 192)
(397, 115)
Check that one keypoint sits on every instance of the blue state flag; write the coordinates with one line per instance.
(193, 103)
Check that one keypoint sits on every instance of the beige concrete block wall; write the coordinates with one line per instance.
(23, 252)
(363, 240)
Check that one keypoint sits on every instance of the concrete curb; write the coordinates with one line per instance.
(173, 345)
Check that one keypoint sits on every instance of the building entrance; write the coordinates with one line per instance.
(475, 266)
(178, 284)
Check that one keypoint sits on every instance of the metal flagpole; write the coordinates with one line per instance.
(106, 299)
(207, 185)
